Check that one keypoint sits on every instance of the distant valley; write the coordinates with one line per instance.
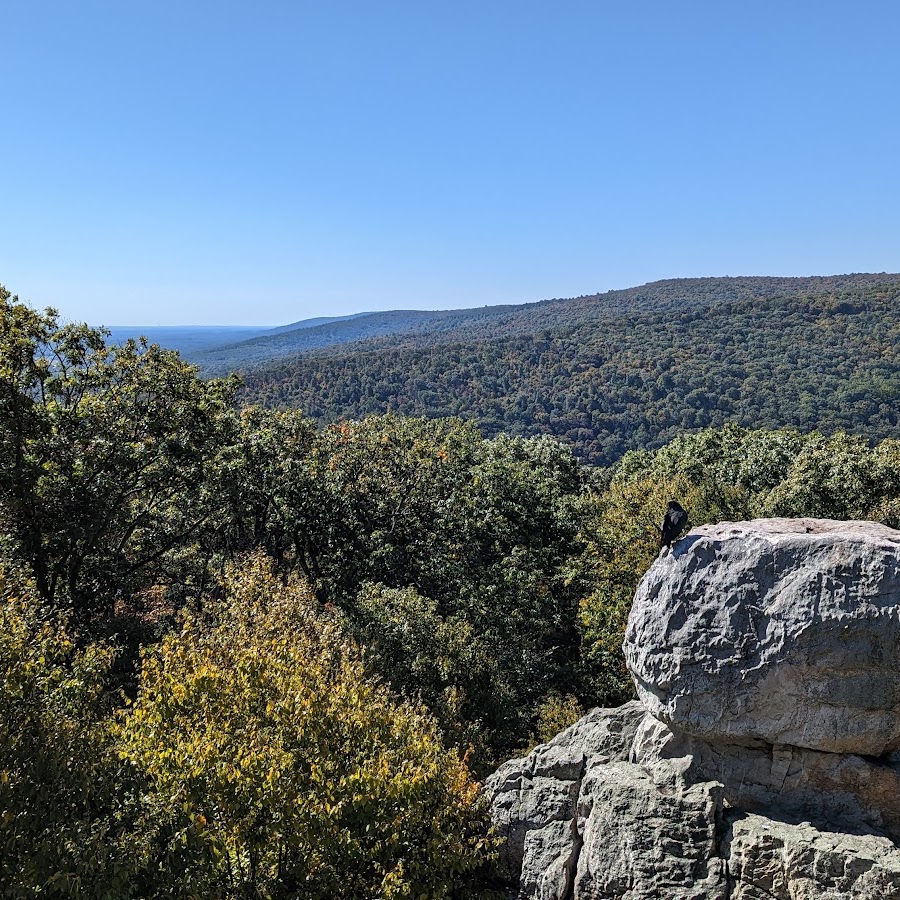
(188, 340)
(207, 344)
(605, 373)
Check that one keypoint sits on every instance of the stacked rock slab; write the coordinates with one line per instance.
(761, 759)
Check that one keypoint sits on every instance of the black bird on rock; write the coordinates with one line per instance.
(672, 524)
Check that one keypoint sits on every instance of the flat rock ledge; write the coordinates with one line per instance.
(760, 762)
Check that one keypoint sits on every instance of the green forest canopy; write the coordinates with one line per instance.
(631, 369)
(177, 572)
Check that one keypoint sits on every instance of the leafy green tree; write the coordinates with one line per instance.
(886, 508)
(274, 495)
(70, 819)
(106, 455)
(473, 537)
(441, 661)
(556, 712)
(837, 477)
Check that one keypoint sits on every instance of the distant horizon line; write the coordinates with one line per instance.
(366, 312)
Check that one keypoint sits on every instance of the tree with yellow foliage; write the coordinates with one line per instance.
(299, 776)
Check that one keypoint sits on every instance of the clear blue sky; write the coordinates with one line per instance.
(258, 163)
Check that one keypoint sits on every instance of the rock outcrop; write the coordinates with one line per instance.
(778, 630)
(759, 761)
(535, 799)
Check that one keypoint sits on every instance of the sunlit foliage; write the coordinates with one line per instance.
(302, 777)
(451, 556)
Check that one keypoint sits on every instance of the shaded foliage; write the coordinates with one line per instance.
(259, 760)
(70, 823)
(104, 455)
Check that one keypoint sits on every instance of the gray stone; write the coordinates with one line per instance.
(834, 791)
(643, 840)
(552, 852)
(772, 860)
(776, 631)
(673, 824)
(602, 732)
(533, 799)
(525, 804)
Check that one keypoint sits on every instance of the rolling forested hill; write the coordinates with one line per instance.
(317, 334)
(255, 350)
(627, 369)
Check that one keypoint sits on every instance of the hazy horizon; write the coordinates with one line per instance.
(260, 329)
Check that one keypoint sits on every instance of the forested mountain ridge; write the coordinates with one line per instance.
(627, 369)
(487, 321)
(280, 652)
(329, 332)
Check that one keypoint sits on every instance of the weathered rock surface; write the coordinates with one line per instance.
(661, 829)
(642, 839)
(750, 771)
(535, 799)
(837, 791)
(770, 859)
(784, 631)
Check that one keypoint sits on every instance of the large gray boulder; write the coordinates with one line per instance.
(782, 631)
(658, 828)
(760, 762)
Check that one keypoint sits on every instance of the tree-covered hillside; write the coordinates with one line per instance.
(247, 654)
(315, 334)
(630, 369)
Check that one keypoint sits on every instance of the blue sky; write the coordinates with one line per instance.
(238, 163)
